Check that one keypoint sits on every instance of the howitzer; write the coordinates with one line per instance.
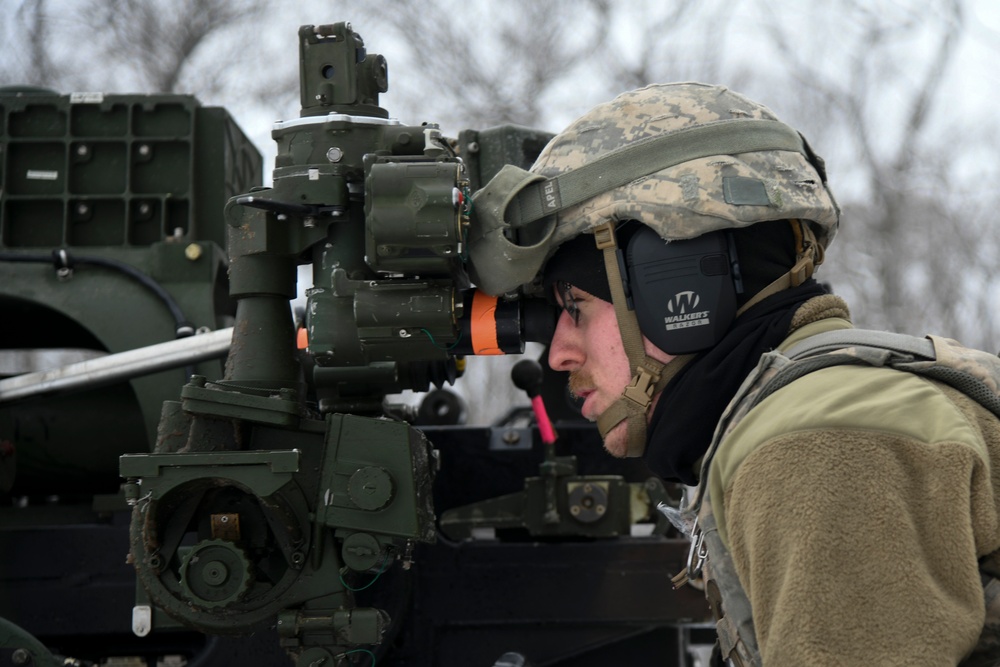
(281, 499)
(273, 491)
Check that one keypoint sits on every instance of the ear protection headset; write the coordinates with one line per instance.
(683, 292)
(645, 280)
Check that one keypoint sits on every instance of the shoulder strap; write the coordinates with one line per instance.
(900, 344)
(973, 372)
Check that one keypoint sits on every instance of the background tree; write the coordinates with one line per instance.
(538, 44)
(31, 63)
(913, 226)
(168, 46)
(156, 43)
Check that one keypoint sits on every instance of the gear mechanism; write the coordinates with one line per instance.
(215, 573)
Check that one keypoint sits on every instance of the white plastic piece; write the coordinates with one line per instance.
(142, 620)
(641, 529)
(483, 533)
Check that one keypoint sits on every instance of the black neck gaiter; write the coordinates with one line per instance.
(685, 417)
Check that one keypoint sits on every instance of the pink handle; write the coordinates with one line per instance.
(544, 425)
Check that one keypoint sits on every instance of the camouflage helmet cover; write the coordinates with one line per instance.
(686, 200)
(692, 197)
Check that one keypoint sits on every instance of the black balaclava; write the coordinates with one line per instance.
(764, 251)
(581, 264)
(693, 401)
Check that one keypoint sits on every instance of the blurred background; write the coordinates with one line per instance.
(896, 95)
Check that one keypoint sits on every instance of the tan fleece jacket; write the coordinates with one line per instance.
(856, 503)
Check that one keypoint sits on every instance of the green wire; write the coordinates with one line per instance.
(362, 650)
(385, 563)
(441, 347)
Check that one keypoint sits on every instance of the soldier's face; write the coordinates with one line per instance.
(588, 344)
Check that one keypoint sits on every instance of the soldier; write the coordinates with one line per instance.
(848, 518)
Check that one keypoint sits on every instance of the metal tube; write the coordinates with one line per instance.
(120, 366)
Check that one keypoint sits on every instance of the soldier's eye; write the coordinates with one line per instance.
(568, 300)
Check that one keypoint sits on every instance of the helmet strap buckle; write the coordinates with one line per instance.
(640, 390)
(604, 236)
(802, 270)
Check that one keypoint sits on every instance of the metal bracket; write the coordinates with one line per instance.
(509, 439)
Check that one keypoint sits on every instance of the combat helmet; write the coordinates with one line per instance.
(685, 160)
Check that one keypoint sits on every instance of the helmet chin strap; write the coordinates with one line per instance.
(649, 375)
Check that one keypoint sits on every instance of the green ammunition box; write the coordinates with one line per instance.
(92, 169)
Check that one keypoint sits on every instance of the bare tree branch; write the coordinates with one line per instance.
(27, 59)
(158, 41)
(500, 72)
(928, 92)
(900, 278)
